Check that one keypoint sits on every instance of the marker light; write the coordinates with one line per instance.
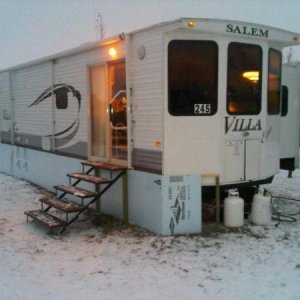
(112, 52)
(192, 24)
(157, 144)
(251, 75)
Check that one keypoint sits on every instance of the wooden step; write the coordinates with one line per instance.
(78, 192)
(119, 137)
(120, 148)
(63, 205)
(45, 218)
(89, 178)
(103, 165)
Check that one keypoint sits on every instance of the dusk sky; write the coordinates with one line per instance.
(31, 29)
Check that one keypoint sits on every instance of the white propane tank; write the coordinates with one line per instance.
(233, 209)
(261, 208)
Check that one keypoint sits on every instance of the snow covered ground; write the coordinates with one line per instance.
(114, 261)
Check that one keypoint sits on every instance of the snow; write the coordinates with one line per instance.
(114, 261)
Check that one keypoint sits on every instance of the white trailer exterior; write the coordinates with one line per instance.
(289, 124)
(240, 147)
(169, 101)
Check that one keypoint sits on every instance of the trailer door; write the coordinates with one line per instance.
(243, 124)
(108, 112)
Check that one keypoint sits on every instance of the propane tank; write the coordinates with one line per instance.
(261, 208)
(233, 209)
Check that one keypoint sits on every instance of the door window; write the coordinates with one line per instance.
(117, 110)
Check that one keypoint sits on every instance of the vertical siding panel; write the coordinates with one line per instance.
(5, 108)
(147, 85)
(72, 72)
(147, 80)
(31, 122)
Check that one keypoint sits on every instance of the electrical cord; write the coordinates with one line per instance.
(283, 217)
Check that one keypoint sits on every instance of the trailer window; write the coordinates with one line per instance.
(244, 79)
(192, 77)
(61, 98)
(274, 82)
(284, 100)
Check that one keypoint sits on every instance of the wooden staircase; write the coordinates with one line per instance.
(46, 215)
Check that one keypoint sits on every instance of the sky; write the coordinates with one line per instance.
(31, 29)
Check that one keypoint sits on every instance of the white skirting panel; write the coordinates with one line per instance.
(167, 205)
(46, 170)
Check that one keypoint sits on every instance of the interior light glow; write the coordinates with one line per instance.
(251, 75)
(112, 52)
(232, 107)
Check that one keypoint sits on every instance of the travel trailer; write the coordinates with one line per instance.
(178, 104)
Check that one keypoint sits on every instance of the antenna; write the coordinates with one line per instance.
(99, 25)
(289, 55)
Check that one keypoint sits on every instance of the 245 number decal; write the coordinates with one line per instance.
(202, 109)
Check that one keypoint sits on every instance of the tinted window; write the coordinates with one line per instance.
(284, 100)
(192, 77)
(274, 82)
(244, 79)
(61, 98)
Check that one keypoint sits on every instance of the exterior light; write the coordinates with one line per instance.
(157, 144)
(295, 38)
(192, 24)
(251, 75)
(112, 52)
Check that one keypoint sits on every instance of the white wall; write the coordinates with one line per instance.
(289, 125)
